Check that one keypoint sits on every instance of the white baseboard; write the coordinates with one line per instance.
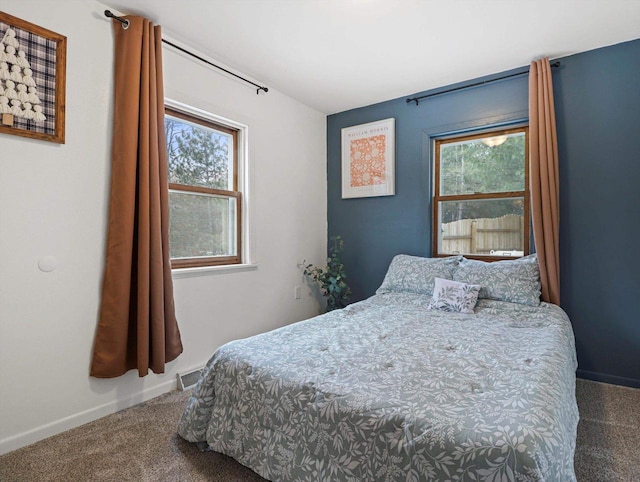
(15, 442)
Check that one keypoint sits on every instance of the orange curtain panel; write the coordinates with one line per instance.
(137, 327)
(543, 161)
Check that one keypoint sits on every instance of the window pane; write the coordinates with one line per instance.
(486, 165)
(199, 156)
(487, 227)
(201, 225)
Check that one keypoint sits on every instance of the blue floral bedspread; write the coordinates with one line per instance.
(386, 390)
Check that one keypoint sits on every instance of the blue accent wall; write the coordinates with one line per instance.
(597, 98)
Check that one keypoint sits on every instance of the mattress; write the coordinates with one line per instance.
(388, 390)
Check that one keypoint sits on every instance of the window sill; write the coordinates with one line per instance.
(211, 270)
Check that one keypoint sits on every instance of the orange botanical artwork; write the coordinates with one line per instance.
(368, 167)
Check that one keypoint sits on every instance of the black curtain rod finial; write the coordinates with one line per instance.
(125, 23)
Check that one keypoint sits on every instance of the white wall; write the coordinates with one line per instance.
(53, 202)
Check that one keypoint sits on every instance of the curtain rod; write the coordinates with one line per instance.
(125, 26)
(417, 99)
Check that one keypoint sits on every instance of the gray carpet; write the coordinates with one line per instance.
(608, 446)
(140, 444)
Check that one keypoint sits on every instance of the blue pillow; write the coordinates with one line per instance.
(413, 274)
(515, 281)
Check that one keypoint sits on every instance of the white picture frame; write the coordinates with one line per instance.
(368, 159)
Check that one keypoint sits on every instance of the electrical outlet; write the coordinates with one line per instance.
(297, 292)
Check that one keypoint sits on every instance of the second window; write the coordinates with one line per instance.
(481, 195)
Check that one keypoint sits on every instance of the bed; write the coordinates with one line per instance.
(403, 386)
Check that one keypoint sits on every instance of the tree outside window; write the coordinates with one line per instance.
(204, 200)
(481, 201)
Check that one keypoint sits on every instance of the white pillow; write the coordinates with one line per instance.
(453, 296)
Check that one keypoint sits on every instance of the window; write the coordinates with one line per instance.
(481, 195)
(204, 199)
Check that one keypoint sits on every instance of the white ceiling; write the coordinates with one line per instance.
(334, 55)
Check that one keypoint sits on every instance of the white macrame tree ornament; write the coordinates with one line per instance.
(18, 92)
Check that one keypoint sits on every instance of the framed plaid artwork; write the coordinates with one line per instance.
(32, 80)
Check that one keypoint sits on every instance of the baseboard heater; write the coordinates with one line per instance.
(189, 379)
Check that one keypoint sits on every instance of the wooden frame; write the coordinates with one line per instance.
(373, 175)
(212, 260)
(525, 194)
(193, 262)
(38, 45)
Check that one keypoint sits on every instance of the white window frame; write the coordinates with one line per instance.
(246, 262)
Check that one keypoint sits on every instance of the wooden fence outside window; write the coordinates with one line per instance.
(484, 236)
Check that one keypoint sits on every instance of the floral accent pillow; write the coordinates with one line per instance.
(515, 281)
(413, 274)
(453, 296)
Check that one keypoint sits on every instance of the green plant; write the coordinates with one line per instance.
(332, 278)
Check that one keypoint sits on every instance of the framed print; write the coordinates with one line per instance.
(368, 159)
(32, 80)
